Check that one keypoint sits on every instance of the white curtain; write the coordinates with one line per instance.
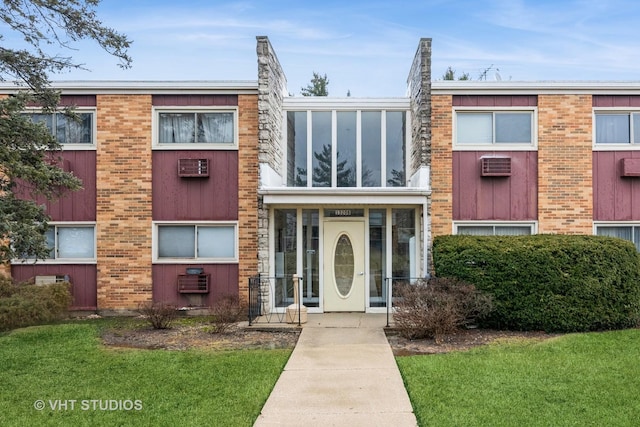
(177, 128)
(612, 128)
(627, 233)
(215, 128)
(70, 131)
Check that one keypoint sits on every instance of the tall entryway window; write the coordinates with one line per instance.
(346, 149)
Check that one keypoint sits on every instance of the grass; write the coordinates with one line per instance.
(579, 379)
(57, 364)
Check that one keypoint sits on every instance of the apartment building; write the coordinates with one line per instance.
(536, 157)
(169, 174)
(192, 188)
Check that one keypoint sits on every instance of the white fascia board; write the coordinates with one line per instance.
(336, 196)
(462, 87)
(156, 87)
(347, 103)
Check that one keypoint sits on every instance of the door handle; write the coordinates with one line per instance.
(361, 273)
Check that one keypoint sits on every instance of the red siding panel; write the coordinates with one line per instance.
(82, 277)
(78, 100)
(194, 100)
(615, 198)
(628, 101)
(192, 199)
(78, 205)
(224, 281)
(495, 100)
(513, 198)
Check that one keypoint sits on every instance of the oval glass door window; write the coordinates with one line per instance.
(343, 265)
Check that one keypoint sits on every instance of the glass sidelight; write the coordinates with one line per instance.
(285, 255)
(310, 260)
(377, 257)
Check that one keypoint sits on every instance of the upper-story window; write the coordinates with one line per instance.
(196, 129)
(617, 127)
(74, 131)
(353, 148)
(501, 129)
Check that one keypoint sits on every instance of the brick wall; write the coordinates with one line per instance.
(124, 208)
(565, 199)
(248, 181)
(441, 165)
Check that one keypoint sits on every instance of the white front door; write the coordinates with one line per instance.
(343, 270)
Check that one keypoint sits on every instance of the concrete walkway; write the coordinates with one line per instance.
(341, 373)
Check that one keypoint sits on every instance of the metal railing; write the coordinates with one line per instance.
(390, 283)
(271, 299)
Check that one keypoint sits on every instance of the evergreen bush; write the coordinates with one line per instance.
(556, 283)
(28, 304)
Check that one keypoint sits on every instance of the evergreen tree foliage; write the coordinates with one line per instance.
(317, 87)
(29, 154)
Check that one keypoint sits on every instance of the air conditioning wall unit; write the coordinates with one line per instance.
(630, 167)
(193, 168)
(50, 280)
(495, 166)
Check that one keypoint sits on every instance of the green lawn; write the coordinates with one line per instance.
(574, 380)
(54, 365)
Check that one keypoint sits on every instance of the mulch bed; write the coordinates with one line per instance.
(184, 337)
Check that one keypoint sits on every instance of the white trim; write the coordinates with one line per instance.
(494, 146)
(446, 87)
(67, 224)
(156, 110)
(495, 223)
(92, 146)
(154, 243)
(356, 196)
(100, 87)
(614, 224)
(631, 146)
(322, 103)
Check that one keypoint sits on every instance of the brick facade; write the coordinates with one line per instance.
(124, 209)
(248, 181)
(565, 203)
(441, 165)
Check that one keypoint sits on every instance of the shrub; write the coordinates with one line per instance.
(436, 307)
(28, 304)
(554, 283)
(225, 313)
(159, 315)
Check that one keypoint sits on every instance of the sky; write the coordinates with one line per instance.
(366, 47)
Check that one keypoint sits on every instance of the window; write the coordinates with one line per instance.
(67, 130)
(350, 148)
(617, 128)
(210, 242)
(71, 243)
(495, 128)
(502, 229)
(196, 127)
(626, 232)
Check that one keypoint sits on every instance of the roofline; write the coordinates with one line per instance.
(449, 87)
(332, 103)
(72, 87)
